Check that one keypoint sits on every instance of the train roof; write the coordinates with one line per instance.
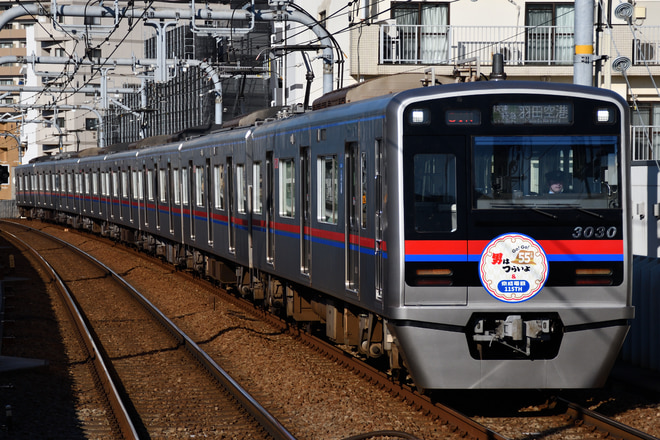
(364, 98)
(385, 85)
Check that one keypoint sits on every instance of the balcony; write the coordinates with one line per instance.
(645, 141)
(646, 46)
(533, 46)
(522, 45)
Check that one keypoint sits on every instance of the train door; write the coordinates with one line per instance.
(125, 189)
(158, 185)
(379, 191)
(143, 179)
(114, 191)
(130, 191)
(97, 192)
(270, 210)
(230, 205)
(209, 197)
(80, 190)
(352, 217)
(177, 202)
(188, 181)
(170, 197)
(305, 211)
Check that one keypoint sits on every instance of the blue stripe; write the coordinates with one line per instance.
(544, 140)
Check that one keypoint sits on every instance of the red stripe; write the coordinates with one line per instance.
(582, 246)
(472, 247)
(436, 247)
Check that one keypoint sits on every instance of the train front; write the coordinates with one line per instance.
(512, 248)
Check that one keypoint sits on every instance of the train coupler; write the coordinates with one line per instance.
(514, 336)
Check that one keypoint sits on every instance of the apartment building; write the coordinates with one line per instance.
(456, 40)
(452, 40)
(12, 44)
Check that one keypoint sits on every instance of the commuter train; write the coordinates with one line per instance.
(418, 226)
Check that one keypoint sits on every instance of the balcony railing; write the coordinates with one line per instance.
(645, 142)
(646, 45)
(436, 44)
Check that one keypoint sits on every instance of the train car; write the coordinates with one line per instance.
(477, 235)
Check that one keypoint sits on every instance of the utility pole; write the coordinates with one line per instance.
(584, 42)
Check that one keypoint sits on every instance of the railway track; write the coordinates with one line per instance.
(568, 420)
(157, 381)
(601, 424)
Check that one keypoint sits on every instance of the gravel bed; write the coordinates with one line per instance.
(316, 399)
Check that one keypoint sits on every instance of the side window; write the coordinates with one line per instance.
(106, 183)
(115, 184)
(124, 184)
(199, 186)
(140, 184)
(287, 188)
(162, 185)
(219, 181)
(435, 192)
(95, 183)
(184, 185)
(257, 184)
(327, 189)
(241, 193)
(150, 185)
(135, 184)
(176, 186)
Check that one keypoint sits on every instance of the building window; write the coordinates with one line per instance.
(550, 32)
(422, 30)
(91, 123)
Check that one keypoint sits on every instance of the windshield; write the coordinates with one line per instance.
(545, 172)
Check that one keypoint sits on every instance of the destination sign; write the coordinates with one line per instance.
(532, 114)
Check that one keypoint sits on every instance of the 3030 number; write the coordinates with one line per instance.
(594, 232)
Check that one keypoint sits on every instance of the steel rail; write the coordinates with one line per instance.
(249, 403)
(121, 415)
(614, 429)
(462, 423)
